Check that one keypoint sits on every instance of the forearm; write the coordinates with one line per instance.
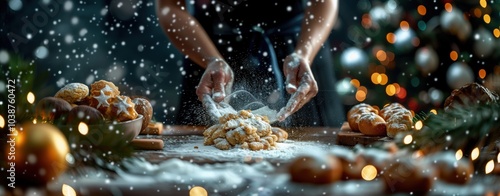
(185, 32)
(318, 22)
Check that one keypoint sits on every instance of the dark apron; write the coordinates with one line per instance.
(256, 54)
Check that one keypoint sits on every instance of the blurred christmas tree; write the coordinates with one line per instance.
(417, 52)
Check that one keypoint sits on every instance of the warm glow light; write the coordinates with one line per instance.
(498, 157)
(434, 111)
(483, 3)
(391, 38)
(31, 98)
(360, 95)
(407, 139)
(459, 154)
(369, 172)
(482, 73)
(478, 13)
(422, 10)
(404, 25)
(448, 7)
(390, 90)
(496, 33)
(385, 79)
(489, 167)
(474, 154)
(198, 191)
(2, 122)
(453, 55)
(83, 128)
(355, 83)
(401, 93)
(418, 154)
(375, 78)
(381, 55)
(34, 121)
(68, 190)
(487, 18)
(418, 125)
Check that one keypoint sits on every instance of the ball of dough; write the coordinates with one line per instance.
(73, 92)
(86, 114)
(143, 107)
(51, 109)
(319, 169)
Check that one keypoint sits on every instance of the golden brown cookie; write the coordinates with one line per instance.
(121, 109)
(73, 92)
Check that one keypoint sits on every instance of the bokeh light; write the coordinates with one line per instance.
(489, 167)
(422, 10)
(459, 154)
(474, 154)
(83, 128)
(418, 125)
(482, 73)
(369, 172)
(448, 7)
(454, 55)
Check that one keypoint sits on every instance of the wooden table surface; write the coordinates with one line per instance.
(176, 136)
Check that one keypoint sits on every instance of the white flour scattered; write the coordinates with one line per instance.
(284, 152)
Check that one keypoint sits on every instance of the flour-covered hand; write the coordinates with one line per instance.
(300, 83)
(216, 81)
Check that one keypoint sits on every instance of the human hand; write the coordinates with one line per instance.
(216, 81)
(300, 83)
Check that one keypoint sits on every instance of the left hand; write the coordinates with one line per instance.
(300, 83)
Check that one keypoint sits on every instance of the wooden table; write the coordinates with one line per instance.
(273, 182)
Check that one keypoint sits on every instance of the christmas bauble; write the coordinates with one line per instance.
(404, 40)
(458, 75)
(39, 155)
(354, 61)
(346, 91)
(484, 43)
(452, 22)
(426, 60)
(316, 169)
(436, 96)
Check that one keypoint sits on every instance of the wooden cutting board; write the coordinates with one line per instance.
(348, 137)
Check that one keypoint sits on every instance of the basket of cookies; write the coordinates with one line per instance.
(96, 111)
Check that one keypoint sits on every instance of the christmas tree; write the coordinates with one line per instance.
(417, 52)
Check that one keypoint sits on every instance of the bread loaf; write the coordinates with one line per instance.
(365, 119)
(398, 118)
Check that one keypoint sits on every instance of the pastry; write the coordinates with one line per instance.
(73, 92)
(51, 109)
(408, 176)
(398, 118)
(448, 169)
(470, 94)
(121, 109)
(143, 107)
(86, 114)
(101, 94)
(244, 130)
(316, 169)
(365, 119)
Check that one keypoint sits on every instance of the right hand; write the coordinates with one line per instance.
(216, 81)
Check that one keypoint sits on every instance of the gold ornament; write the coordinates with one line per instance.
(37, 153)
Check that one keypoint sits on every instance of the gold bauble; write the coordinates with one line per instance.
(39, 153)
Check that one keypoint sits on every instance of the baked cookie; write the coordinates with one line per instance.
(73, 92)
(121, 109)
(107, 87)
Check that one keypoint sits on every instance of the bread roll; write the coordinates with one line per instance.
(398, 118)
(365, 119)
